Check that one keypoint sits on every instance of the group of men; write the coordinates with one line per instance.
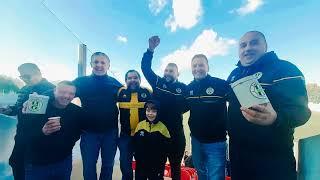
(261, 137)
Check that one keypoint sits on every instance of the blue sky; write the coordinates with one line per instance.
(31, 33)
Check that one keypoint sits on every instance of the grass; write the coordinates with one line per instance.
(311, 128)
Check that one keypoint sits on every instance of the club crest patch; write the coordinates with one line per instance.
(35, 106)
(210, 91)
(257, 91)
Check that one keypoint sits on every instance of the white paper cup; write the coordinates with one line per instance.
(37, 104)
(55, 119)
(249, 91)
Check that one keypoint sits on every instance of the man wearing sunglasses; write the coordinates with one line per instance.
(35, 83)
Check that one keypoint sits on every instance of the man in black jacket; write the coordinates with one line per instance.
(170, 93)
(261, 137)
(208, 116)
(50, 137)
(31, 75)
(98, 95)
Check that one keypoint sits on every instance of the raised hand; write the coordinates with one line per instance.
(154, 41)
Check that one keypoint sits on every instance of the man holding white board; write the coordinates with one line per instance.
(34, 83)
(268, 101)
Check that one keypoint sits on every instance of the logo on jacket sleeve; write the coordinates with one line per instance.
(164, 86)
(143, 95)
(191, 93)
(178, 90)
(232, 78)
(210, 91)
(141, 133)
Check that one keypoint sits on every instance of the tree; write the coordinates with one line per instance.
(313, 92)
(7, 85)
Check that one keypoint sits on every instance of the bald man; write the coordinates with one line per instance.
(170, 93)
(261, 137)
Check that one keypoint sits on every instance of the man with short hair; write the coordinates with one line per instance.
(206, 97)
(98, 95)
(131, 99)
(261, 137)
(170, 93)
(50, 137)
(35, 83)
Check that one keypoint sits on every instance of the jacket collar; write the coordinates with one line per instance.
(265, 60)
(204, 80)
(153, 122)
(96, 76)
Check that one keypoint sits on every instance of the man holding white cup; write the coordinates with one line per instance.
(261, 130)
(50, 137)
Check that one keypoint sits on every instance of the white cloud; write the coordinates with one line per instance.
(122, 39)
(156, 6)
(57, 72)
(186, 14)
(9, 69)
(50, 70)
(249, 7)
(207, 43)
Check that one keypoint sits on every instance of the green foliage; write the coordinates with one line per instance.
(7, 85)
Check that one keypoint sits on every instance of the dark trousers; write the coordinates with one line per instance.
(262, 165)
(175, 155)
(126, 155)
(91, 145)
(16, 161)
(149, 170)
(55, 171)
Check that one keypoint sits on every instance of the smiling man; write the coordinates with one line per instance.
(50, 137)
(98, 95)
(170, 93)
(206, 97)
(261, 137)
(131, 100)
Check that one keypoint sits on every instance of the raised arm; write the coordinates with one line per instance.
(146, 62)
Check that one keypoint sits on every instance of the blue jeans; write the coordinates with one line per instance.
(60, 170)
(90, 145)
(126, 155)
(209, 159)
